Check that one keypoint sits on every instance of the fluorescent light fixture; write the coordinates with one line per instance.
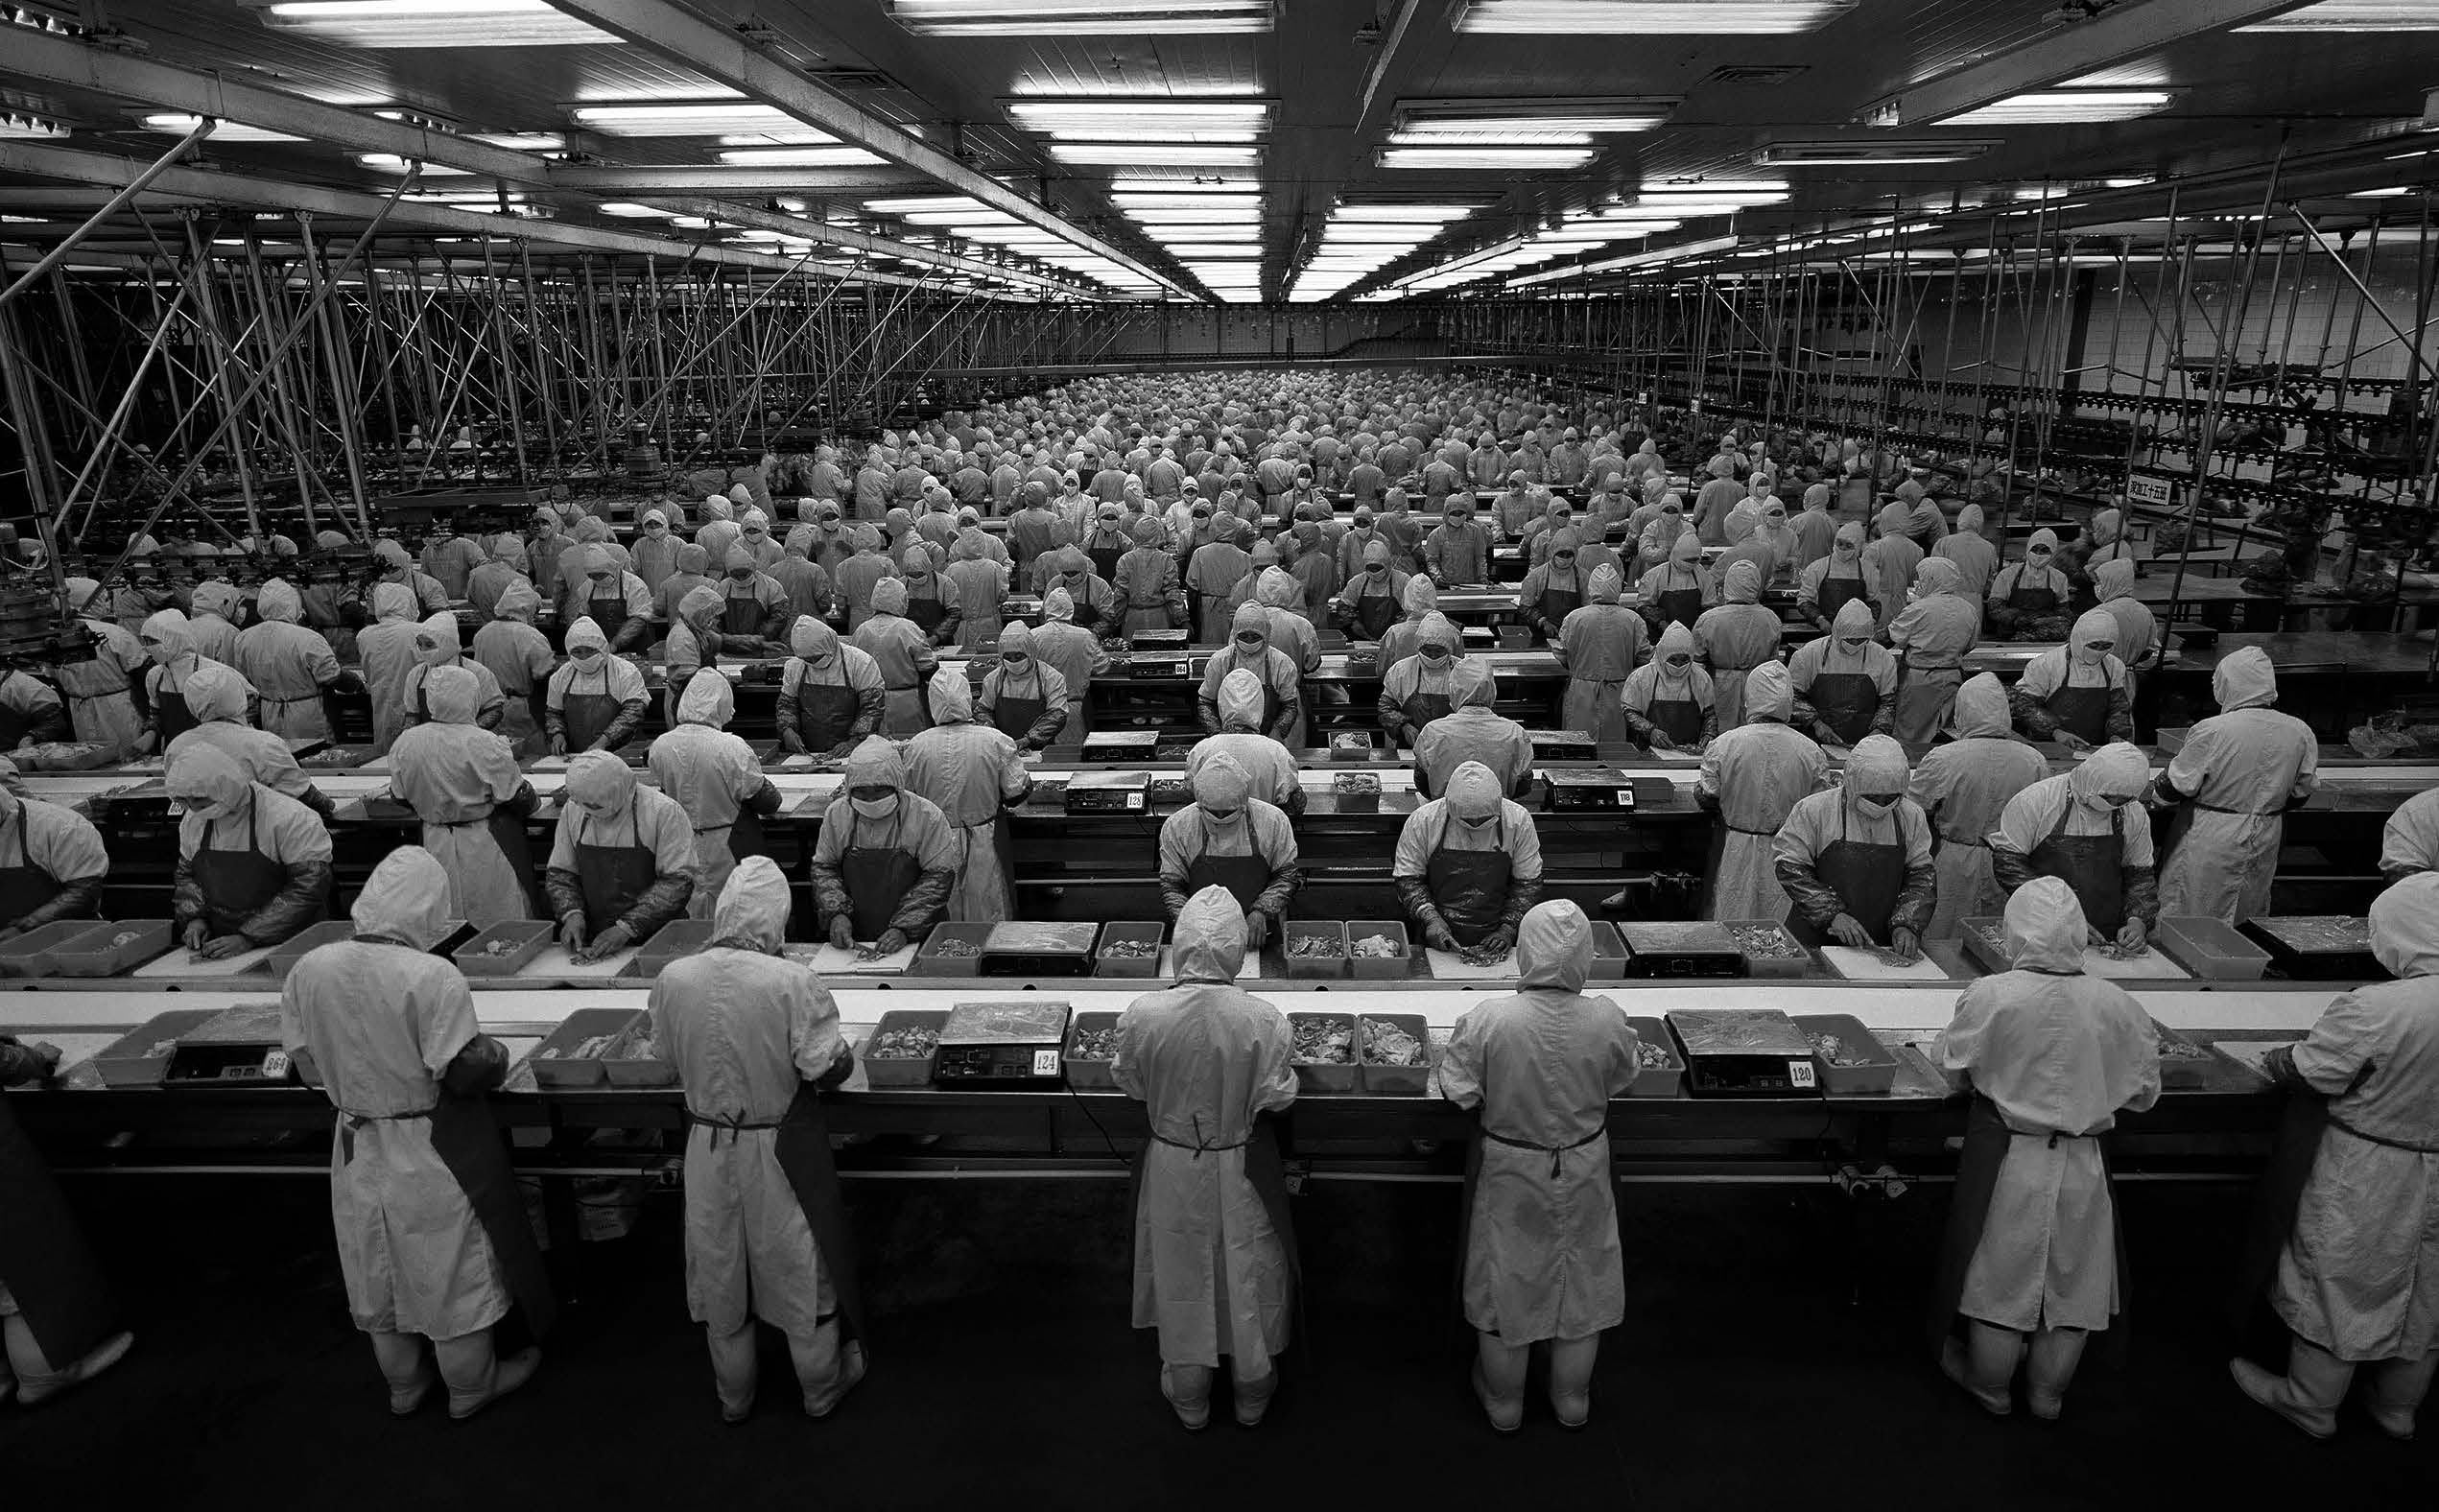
(517, 141)
(1489, 137)
(684, 118)
(1079, 17)
(2043, 192)
(1873, 154)
(959, 219)
(1542, 158)
(1657, 255)
(631, 212)
(1131, 203)
(1714, 188)
(1212, 249)
(800, 157)
(1402, 212)
(1206, 184)
(2381, 194)
(915, 204)
(1649, 17)
(1229, 120)
(1597, 115)
(432, 23)
(2067, 107)
(392, 164)
(1399, 235)
(1154, 153)
(1226, 215)
(178, 123)
(2355, 15)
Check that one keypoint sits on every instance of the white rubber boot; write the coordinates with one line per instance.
(476, 1375)
(1984, 1364)
(1188, 1388)
(735, 1370)
(411, 1379)
(1499, 1380)
(1571, 1362)
(2396, 1391)
(2307, 1395)
(2055, 1353)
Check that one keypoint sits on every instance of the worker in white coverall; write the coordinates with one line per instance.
(756, 1040)
(1933, 635)
(1468, 865)
(1228, 837)
(2350, 1262)
(717, 779)
(2077, 694)
(1855, 860)
(1215, 1252)
(1542, 1262)
(2238, 774)
(2051, 1055)
(289, 666)
(1962, 787)
(254, 865)
(2088, 829)
(622, 860)
(103, 687)
(886, 857)
(1269, 767)
(1597, 646)
(463, 784)
(1473, 731)
(215, 696)
(975, 775)
(593, 700)
(1732, 637)
(1752, 777)
(2409, 841)
(432, 1238)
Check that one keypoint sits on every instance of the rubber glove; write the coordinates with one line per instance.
(558, 745)
(572, 931)
(890, 942)
(2093, 937)
(2132, 935)
(1660, 741)
(608, 942)
(842, 932)
(224, 946)
(1502, 940)
(1848, 931)
(197, 932)
(1439, 937)
(1257, 931)
(1907, 944)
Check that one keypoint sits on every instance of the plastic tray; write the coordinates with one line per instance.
(556, 1068)
(1609, 954)
(1378, 968)
(130, 1063)
(1356, 793)
(1657, 1081)
(2210, 949)
(1325, 967)
(626, 1069)
(312, 938)
(1106, 964)
(930, 962)
(1849, 1081)
(92, 955)
(1977, 935)
(1394, 1081)
(1319, 1075)
(909, 1070)
(1087, 1076)
(1798, 964)
(34, 952)
(2277, 935)
(2183, 1072)
(528, 935)
(673, 941)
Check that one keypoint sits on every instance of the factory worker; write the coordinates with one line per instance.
(394, 565)
(1745, 544)
(1845, 575)
(2346, 1245)
(254, 865)
(1146, 582)
(1977, 559)
(463, 784)
(753, 608)
(2027, 600)
(52, 861)
(1733, 637)
(2409, 841)
(980, 584)
(207, 623)
(2077, 694)
(2137, 627)
(1227, 838)
(975, 775)
(904, 655)
(175, 659)
(1468, 865)
(1078, 656)
(29, 710)
(1813, 527)
(1473, 732)
(1269, 765)
(756, 1040)
(1313, 567)
(1249, 649)
(59, 1325)
(1211, 572)
(622, 861)
(437, 646)
(1368, 605)
(1717, 496)
(1022, 698)
(654, 554)
(1420, 601)
(717, 779)
(1421, 688)
(2088, 829)
(1678, 590)
(1774, 534)
(215, 696)
(1456, 554)
(886, 859)
(830, 693)
(1107, 542)
(1845, 682)
(1215, 1251)
(2051, 1055)
(103, 687)
(592, 701)
(1752, 777)
(1667, 702)
(1088, 595)
(433, 1239)
(519, 659)
(387, 650)
(694, 640)
(1541, 1260)
(1855, 860)
(753, 537)
(2237, 773)
(861, 574)
(2103, 541)
(491, 578)
(1892, 557)
(1598, 646)
(609, 596)
(1555, 589)
(694, 568)
(1963, 787)
(1656, 537)
(720, 529)
(292, 666)
(933, 602)
(1932, 634)
(450, 557)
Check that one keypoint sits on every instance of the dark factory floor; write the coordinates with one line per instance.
(1771, 1355)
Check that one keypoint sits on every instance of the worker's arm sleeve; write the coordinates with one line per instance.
(481, 1065)
(783, 713)
(2407, 842)
(2307, 772)
(620, 730)
(830, 898)
(1816, 900)
(1290, 712)
(1460, 1066)
(2010, 868)
(2341, 1044)
(2033, 718)
(1207, 710)
(2187, 770)
(1920, 894)
(2120, 725)
(673, 841)
(927, 902)
(1711, 721)
(303, 898)
(763, 797)
(1053, 716)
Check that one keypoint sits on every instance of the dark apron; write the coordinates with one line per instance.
(609, 612)
(1422, 708)
(1246, 877)
(1469, 887)
(1473, 1181)
(1867, 878)
(2090, 865)
(1679, 719)
(2031, 601)
(877, 879)
(236, 884)
(1374, 614)
(745, 834)
(612, 876)
(929, 614)
(802, 1147)
(170, 715)
(1264, 1172)
(1836, 592)
(44, 1261)
(825, 712)
(737, 616)
(507, 833)
(586, 714)
(1556, 603)
(1105, 558)
(2276, 1199)
(1684, 605)
(1985, 1149)
(24, 886)
(1014, 716)
(1846, 701)
(2082, 711)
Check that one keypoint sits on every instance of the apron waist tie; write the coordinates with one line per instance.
(2337, 1122)
(714, 829)
(303, 698)
(350, 1122)
(2250, 814)
(1555, 1153)
(1741, 830)
(1946, 838)
(735, 1125)
(1200, 1150)
(2052, 1135)
(484, 817)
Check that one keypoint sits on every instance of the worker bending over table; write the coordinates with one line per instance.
(1855, 860)
(254, 865)
(1468, 865)
(1668, 701)
(1845, 681)
(1422, 687)
(433, 1239)
(756, 1040)
(1023, 699)
(1473, 732)
(905, 656)
(2077, 694)
(52, 862)
(622, 861)
(1251, 649)
(1964, 787)
(830, 693)
(2087, 829)
(216, 699)
(463, 783)
(1269, 767)
(593, 701)
(59, 1325)
(975, 775)
(30, 712)
(886, 859)
(1229, 839)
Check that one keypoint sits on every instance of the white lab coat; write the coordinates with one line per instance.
(2241, 768)
(1758, 771)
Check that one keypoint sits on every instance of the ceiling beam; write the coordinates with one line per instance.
(853, 240)
(2115, 35)
(615, 182)
(719, 51)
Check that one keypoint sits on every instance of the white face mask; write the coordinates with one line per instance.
(875, 808)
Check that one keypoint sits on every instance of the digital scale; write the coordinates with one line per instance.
(1157, 641)
(1604, 788)
(1157, 664)
(1108, 793)
(1680, 948)
(1743, 1052)
(1121, 745)
(239, 1048)
(1563, 746)
(1001, 1047)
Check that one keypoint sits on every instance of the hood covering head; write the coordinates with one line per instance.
(1605, 584)
(2113, 579)
(1421, 596)
(1147, 531)
(1240, 700)
(715, 507)
(1376, 552)
(84, 596)
(889, 596)
(1554, 946)
(1894, 518)
(406, 898)
(1225, 528)
(517, 602)
(1250, 617)
(695, 560)
(1744, 582)
(1850, 535)
(600, 780)
(1438, 630)
(209, 773)
(952, 697)
(1854, 618)
(169, 628)
(442, 630)
(278, 601)
(1816, 495)
(1769, 692)
(1016, 638)
(1876, 765)
(1675, 640)
(1473, 791)
(701, 605)
(2404, 927)
(589, 530)
(2115, 771)
(1210, 936)
(874, 762)
(452, 694)
(737, 556)
(1058, 604)
(1938, 574)
(1265, 555)
(2041, 538)
(598, 560)
(706, 700)
(392, 601)
(1277, 590)
(1472, 683)
(740, 495)
(1740, 526)
(1969, 520)
(586, 631)
(216, 597)
(753, 904)
(1982, 709)
(1686, 550)
(810, 639)
(2091, 628)
(2046, 928)
(392, 555)
(1221, 783)
(2244, 679)
(2106, 525)
(216, 692)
